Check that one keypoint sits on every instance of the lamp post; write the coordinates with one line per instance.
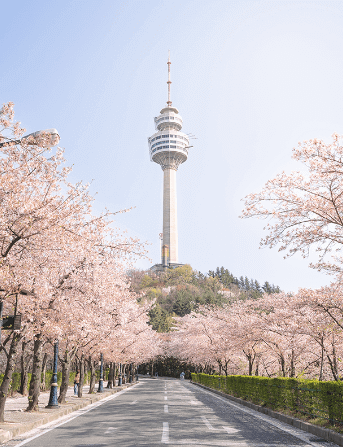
(120, 379)
(101, 380)
(44, 138)
(53, 390)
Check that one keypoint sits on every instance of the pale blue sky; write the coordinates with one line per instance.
(250, 79)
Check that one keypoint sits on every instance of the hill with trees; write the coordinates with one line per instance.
(178, 292)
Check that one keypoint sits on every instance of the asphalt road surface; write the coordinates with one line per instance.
(158, 411)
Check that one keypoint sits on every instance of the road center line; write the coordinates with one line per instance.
(110, 429)
(166, 408)
(134, 402)
(165, 398)
(230, 430)
(165, 433)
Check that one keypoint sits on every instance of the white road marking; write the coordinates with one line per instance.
(195, 402)
(134, 402)
(69, 417)
(300, 434)
(230, 430)
(208, 425)
(110, 429)
(166, 408)
(165, 433)
(213, 443)
(165, 398)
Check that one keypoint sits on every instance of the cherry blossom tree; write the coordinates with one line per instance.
(52, 248)
(305, 208)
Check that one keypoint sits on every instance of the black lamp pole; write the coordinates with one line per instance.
(101, 381)
(120, 379)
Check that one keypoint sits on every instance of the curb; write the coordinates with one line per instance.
(324, 433)
(7, 435)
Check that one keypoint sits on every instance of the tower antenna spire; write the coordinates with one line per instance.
(169, 81)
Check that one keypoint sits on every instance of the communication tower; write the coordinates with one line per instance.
(168, 147)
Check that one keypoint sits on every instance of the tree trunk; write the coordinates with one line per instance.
(321, 360)
(251, 364)
(110, 376)
(24, 377)
(292, 367)
(332, 367)
(114, 374)
(45, 361)
(66, 364)
(282, 364)
(257, 367)
(8, 373)
(92, 381)
(82, 375)
(34, 390)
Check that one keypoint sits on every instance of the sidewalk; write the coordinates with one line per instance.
(18, 421)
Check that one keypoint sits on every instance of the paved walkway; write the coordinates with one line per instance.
(20, 403)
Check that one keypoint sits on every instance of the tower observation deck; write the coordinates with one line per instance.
(168, 147)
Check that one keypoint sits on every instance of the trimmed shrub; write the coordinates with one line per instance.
(310, 397)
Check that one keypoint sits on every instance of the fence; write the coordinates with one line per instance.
(309, 397)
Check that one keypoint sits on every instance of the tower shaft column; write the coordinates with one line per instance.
(170, 237)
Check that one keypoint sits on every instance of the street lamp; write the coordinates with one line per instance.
(44, 138)
(101, 380)
(120, 379)
(53, 390)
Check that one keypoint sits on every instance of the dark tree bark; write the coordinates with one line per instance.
(82, 375)
(122, 371)
(292, 367)
(45, 361)
(321, 359)
(114, 374)
(34, 390)
(25, 359)
(93, 378)
(66, 364)
(8, 373)
(110, 376)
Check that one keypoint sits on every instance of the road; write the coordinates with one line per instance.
(159, 411)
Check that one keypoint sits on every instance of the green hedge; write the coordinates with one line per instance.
(310, 397)
(15, 382)
(16, 379)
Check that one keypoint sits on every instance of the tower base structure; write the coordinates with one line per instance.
(157, 268)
